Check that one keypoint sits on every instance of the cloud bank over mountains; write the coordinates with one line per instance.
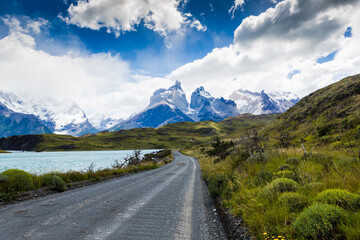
(276, 50)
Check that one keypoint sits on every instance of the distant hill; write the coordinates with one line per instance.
(176, 135)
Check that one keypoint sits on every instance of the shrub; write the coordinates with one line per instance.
(6, 197)
(57, 184)
(286, 174)
(292, 161)
(278, 186)
(54, 182)
(284, 167)
(294, 201)
(220, 148)
(3, 178)
(319, 221)
(341, 198)
(18, 180)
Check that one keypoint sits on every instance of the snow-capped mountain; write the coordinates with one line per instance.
(12, 123)
(205, 107)
(170, 106)
(60, 117)
(263, 103)
(104, 121)
(166, 106)
(174, 97)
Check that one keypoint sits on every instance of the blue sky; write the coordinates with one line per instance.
(109, 56)
(135, 46)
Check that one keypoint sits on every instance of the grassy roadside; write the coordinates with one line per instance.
(15, 183)
(297, 177)
(279, 193)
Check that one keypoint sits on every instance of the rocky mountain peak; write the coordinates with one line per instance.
(174, 96)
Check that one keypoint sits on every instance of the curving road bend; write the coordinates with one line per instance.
(170, 202)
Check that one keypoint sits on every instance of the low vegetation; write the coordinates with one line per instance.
(14, 181)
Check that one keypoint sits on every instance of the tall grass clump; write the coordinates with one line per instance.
(18, 180)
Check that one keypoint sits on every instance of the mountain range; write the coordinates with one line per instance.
(170, 106)
(20, 115)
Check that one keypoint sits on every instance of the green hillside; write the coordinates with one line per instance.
(331, 116)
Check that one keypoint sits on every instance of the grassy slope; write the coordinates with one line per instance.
(177, 135)
(244, 183)
(330, 115)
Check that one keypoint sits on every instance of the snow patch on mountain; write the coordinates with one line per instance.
(60, 117)
(104, 121)
(263, 103)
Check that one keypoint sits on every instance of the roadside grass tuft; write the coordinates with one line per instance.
(269, 203)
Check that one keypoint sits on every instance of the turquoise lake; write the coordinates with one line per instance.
(44, 162)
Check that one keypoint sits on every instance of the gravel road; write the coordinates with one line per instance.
(170, 202)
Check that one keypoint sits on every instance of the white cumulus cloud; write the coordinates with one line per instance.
(289, 37)
(99, 83)
(162, 16)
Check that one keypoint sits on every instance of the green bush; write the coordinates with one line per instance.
(57, 184)
(3, 178)
(294, 201)
(285, 167)
(279, 185)
(292, 161)
(286, 174)
(319, 221)
(341, 198)
(18, 180)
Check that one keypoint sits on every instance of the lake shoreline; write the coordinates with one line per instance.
(72, 179)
